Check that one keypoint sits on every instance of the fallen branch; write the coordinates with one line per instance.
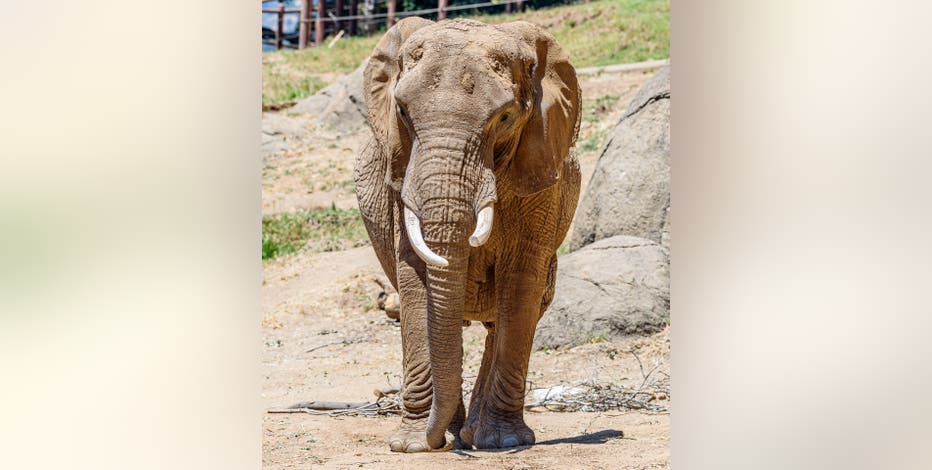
(328, 405)
(383, 406)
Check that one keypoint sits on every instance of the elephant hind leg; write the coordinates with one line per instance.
(501, 420)
(551, 286)
(456, 426)
(479, 389)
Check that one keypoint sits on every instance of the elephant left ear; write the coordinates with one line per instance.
(379, 78)
(551, 131)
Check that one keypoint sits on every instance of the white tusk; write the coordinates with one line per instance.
(483, 227)
(413, 226)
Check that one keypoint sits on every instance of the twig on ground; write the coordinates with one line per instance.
(327, 405)
(387, 404)
(651, 395)
(385, 391)
(345, 341)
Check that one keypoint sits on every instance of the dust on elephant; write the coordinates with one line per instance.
(467, 189)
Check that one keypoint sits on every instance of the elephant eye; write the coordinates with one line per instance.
(505, 117)
(401, 111)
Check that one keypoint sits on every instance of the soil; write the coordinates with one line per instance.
(325, 339)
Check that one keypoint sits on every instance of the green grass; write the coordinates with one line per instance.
(283, 90)
(564, 247)
(594, 338)
(289, 75)
(604, 32)
(317, 230)
(600, 32)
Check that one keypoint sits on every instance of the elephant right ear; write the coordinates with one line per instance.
(379, 80)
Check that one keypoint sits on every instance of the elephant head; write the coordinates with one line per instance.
(467, 114)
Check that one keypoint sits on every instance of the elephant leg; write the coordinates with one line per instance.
(456, 426)
(479, 389)
(417, 391)
(501, 418)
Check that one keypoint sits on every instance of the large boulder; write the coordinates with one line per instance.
(279, 132)
(614, 287)
(340, 107)
(629, 193)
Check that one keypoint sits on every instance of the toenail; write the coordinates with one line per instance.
(509, 442)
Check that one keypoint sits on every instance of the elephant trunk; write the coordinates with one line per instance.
(446, 226)
(445, 304)
(442, 220)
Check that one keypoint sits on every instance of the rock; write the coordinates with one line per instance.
(340, 107)
(614, 287)
(629, 193)
(387, 300)
(391, 304)
(279, 132)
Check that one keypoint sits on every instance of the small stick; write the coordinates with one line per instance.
(321, 405)
(385, 391)
(329, 405)
(345, 341)
(335, 39)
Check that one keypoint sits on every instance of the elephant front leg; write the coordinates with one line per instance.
(501, 416)
(417, 391)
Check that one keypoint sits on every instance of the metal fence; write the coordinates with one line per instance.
(327, 18)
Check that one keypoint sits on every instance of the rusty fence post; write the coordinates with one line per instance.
(281, 23)
(338, 11)
(319, 22)
(391, 13)
(441, 9)
(302, 26)
(354, 10)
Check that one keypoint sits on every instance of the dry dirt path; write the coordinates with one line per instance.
(328, 299)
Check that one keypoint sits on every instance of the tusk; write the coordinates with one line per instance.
(413, 226)
(483, 227)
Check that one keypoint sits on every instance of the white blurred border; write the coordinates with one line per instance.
(129, 235)
(800, 261)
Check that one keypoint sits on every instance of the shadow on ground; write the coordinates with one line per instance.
(600, 437)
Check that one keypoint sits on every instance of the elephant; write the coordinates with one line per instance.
(467, 188)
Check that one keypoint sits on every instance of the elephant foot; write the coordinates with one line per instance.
(456, 427)
(498, 434)
(410, 437)
(468, 431)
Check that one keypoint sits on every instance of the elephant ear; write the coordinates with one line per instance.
(379, 80)
(551, 130)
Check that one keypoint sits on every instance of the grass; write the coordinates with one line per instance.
(564, 247)
(595, 338)
(600, 32)
(315, 230)
(604, 32)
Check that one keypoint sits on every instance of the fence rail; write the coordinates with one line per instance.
(321, 18)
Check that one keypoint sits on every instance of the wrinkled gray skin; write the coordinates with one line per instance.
(464, 116)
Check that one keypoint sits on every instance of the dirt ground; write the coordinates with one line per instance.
(325, 339)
